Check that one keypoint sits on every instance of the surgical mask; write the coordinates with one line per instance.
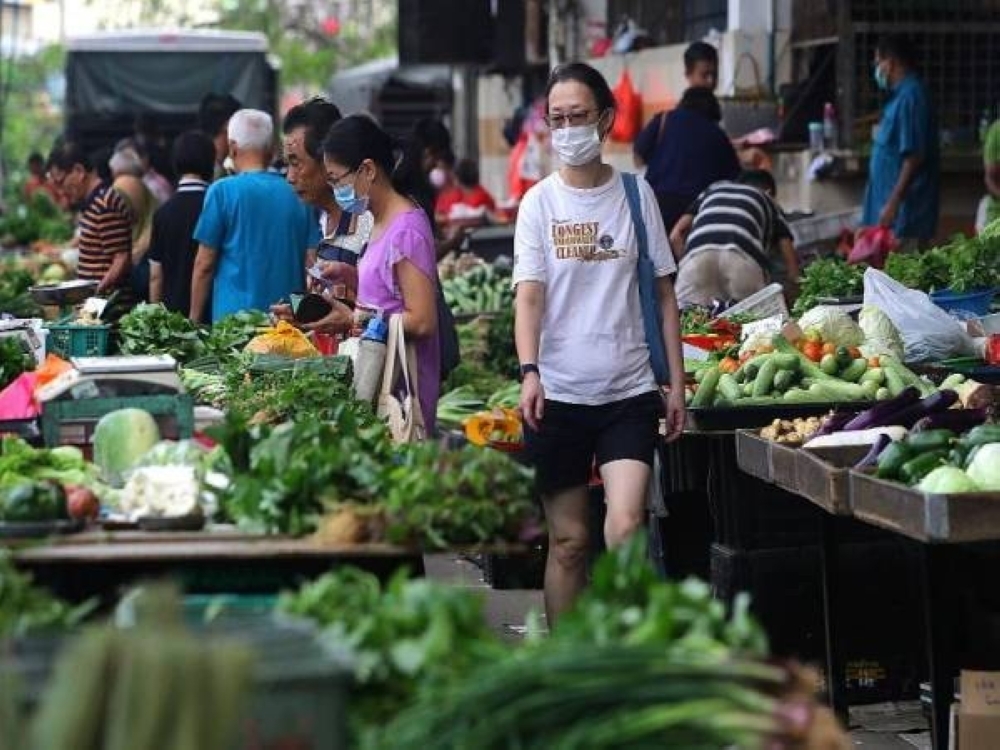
(349, 200)
(438, 178)
(881, 79)
(578, 145)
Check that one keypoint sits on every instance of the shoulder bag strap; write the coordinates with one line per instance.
(391, 356)
(634, 207)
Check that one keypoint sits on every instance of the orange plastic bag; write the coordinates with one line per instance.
(628, 110)
(50, 369)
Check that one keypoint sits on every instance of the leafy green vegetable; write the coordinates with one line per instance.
(153, 329)
(232, 333)
(397, 638)
(962, 265)
(66, 464)
(26, 608)
(39, 218)
(828, 277)
(14, 297)
(14, 359)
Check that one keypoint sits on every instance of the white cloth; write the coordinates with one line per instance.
(581, 244)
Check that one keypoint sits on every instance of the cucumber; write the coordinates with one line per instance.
(952, 381)
(785, 361)
(882, 394)
(894, 382)
(748, 388)
(801, 396)
(874, 375)
(783, 380)
(728, 388)
(764, 381)
(706, 389)
(870, 388)
(829, 364)
(699, 374)
(853, 372)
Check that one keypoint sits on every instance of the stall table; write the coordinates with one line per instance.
(102, 563)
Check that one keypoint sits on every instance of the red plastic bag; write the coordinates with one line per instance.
(872, 246)
(17, 400)
(628, 110)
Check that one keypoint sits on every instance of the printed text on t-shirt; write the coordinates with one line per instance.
(579, 241)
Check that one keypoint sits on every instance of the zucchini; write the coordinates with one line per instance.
(853, 372)
(829, 364)
(801, 396)
(952, 381)
(728, 388)
(837, 391)
(706, 389)
(764, 381)
(870, 389)
(894, 382)
(747, 388)
(883, 394)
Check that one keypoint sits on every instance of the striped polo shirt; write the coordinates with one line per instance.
(738, 217)
(105, 229)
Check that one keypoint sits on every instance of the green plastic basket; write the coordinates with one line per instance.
(68, 340)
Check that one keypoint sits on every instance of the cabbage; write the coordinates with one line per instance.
(121, 438)
(881, 335)
(984, 469)
(945, 480)
(833, 324)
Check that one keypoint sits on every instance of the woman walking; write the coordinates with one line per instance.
(588, 393)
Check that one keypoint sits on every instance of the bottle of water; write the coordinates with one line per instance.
(829, 126)
(370, 362)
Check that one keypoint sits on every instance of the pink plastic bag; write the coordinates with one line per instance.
(17, 400)
(872, 246)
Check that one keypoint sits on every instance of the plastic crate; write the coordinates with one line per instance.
(68, 340)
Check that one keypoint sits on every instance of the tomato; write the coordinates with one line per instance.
(813, 350)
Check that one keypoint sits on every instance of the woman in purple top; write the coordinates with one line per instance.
(397, 273)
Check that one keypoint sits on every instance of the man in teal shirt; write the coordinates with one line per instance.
(254, 232)
(904, 169)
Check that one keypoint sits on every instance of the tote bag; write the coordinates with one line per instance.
(398, 400)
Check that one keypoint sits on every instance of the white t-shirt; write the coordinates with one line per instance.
(581, 244)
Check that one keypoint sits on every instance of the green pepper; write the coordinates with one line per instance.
(891, 460)
(930, 440)
(917, 468)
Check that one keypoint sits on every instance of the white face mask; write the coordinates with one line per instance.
(438, 178)
(578, 145)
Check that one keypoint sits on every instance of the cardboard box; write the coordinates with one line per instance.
(979, 713)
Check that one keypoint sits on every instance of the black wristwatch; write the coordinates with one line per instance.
(528, 368)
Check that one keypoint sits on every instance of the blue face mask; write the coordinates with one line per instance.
(881, 79)
(349, 201)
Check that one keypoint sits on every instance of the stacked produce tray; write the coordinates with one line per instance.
(960, 517)
(822, 476)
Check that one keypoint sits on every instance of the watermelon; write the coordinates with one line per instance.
(121, 438)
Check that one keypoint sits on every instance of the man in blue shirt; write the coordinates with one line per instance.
(254, 232)
(904, 168)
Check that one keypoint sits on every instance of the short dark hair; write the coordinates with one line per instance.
(758, 178)
(897, 47)
(355, 138)
(67, 154)
(703, 101)
(317, 116)
(214, 112)
(194, 153)
(467, 172)
(586, 75)
(36, 158)
(432, 134)
(700, 52)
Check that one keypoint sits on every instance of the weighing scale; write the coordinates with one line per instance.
(115, 377)
(99, 385)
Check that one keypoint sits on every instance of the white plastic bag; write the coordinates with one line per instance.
(929, 333)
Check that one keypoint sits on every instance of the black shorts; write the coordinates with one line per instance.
(572, 437)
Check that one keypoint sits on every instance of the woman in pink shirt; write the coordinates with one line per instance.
(397, 272)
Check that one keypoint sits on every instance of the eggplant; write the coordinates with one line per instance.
(878, 415)
(834, 423)
(956, 420)
(871, 457)
(936, 402)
